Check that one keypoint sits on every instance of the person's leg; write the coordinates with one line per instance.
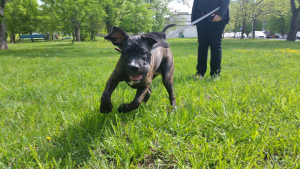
(215, 36)
(203, 46)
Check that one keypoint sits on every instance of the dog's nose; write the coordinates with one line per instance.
(134, 68)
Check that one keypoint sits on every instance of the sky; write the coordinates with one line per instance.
(179, 7)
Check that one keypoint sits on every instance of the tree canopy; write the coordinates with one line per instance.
(84, 19)
(254, 15)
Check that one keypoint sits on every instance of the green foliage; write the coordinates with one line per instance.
(279, 19)
(249, 118)
(160, 7)
(51, 20)
(114, 12)
(137, 17)
(280, 25)
(88, 16)
(95, 22)
(93, 16)
(273, 13)
(71, 15)
(22, 16)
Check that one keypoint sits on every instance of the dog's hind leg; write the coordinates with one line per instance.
(136, 102)
(167, 78)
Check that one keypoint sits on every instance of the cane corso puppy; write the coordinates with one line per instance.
(142, 59)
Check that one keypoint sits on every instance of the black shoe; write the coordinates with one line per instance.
(198, 76)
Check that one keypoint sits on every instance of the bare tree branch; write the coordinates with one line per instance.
(259, 2)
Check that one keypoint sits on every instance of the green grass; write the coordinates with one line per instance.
(50, 97)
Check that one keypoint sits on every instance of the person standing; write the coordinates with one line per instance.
(209, 32)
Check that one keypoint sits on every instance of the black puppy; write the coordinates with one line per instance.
(142, 59)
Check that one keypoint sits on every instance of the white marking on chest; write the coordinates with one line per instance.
(133, 82)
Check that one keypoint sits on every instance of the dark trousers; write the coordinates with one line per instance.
(210, 35)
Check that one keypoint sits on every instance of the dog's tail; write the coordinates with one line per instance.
(167, 27)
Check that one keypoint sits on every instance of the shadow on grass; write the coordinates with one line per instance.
(69, 51)
(76, 144)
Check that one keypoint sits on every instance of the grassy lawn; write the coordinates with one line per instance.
(249, 118)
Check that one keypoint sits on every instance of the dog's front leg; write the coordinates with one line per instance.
(106, 105)
(147, 96)
(136, 102)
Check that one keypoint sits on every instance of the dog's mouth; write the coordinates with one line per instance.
(135, 77)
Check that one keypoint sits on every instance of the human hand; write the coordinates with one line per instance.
(217, 18)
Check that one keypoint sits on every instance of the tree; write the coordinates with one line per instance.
(241, 14)
(260, 10)
(23, 16)
(234, 7)
(138, 17)
(93, 25)
(114, 12)
(50, 19)
(3, 41)
(95, 21)
(160, 8)
(13, 12)
(279, 19)
(147, 15)
(295, 21)
(73, 13)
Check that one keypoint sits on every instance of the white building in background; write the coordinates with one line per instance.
(190, 32)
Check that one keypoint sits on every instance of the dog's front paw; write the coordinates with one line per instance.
(106, 108)
(146, 98)
(123, 108)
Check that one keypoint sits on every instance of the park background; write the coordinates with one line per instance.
(89, 19)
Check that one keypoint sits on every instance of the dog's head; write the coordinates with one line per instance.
(136, 51)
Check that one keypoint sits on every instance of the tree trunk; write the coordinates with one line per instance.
(282, 25)
(3, 39)
(293, 30)
(76, 25)
(73, 38)
(243, 28)
(253, 29)
(77, 33)
(31, 38)
(295, 24)
(235, 27)
(12, 38)
(244, 24)
(93, 35)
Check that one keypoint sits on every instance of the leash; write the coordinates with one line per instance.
(193, 23)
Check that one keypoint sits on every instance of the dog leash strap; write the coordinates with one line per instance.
(193, 23)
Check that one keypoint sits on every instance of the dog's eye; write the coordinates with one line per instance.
(143, 52)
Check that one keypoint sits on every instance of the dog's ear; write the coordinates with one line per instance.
(117, 36)
(156, 37)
